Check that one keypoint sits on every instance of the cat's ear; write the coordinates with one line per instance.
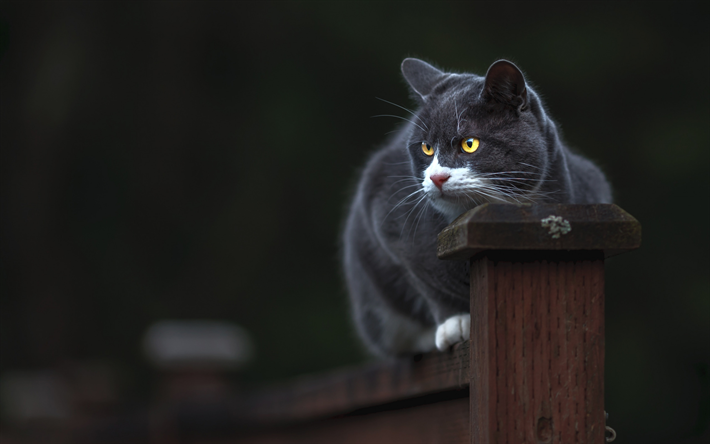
(421, 76)
(506, 84)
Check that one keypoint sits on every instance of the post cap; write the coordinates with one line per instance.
(604, 227)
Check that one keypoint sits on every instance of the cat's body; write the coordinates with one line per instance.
(473, 140)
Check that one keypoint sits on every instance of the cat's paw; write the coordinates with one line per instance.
(455, 329)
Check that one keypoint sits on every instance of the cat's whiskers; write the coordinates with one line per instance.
(516, 185)
(501, 192)
(406, 109)
(406, 197)
(543, 171)
(418, 219)
(396, 163)
(475, 203)
(400, 117)
(497, 195)
(521, 182)
(512, 186)
(404, 200)
(489, 190)
(415, 184)
(531, 166)
(506, 190)
(408, 186)
(404, 188)
(401, 202)
(518, 179)
(497, 173)
(402, 180)
(415, 178)
(409, 213)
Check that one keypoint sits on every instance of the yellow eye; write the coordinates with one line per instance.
(428, 150)
(470, 145)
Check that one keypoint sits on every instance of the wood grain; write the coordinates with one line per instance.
(537, 348)
(438, 422)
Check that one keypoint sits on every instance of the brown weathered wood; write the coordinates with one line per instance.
(438, 422)
(481, 349)
(327, 395)
(604, 227)
(537, 348)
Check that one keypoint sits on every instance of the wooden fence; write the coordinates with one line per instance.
(533, 371)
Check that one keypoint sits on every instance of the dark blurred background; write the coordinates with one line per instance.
(194, 161)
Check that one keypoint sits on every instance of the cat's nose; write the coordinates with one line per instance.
(439, 179)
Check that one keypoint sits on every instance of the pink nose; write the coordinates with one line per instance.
(439, 179)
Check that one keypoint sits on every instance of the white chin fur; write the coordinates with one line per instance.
(460, 183)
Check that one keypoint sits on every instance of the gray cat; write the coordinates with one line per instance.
(472, 140)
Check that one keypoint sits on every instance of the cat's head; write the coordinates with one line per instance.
(476, 139)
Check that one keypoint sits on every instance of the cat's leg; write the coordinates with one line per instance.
(453, 320)
(390, 320)
(388, 333)
(448, 300)
(408, 336)
(453, 330)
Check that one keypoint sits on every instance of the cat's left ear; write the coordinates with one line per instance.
(505, 84)
(421, 76)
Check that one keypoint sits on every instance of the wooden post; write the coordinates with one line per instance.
(537, 317)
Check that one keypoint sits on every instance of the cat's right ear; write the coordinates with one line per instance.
(505, 84)
(421, 76)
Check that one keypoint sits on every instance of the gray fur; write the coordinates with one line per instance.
(400, 292)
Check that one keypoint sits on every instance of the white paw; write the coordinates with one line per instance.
(455, 329)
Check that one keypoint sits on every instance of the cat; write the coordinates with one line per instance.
(472, 140)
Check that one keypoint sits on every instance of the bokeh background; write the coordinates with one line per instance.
(166, 160)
